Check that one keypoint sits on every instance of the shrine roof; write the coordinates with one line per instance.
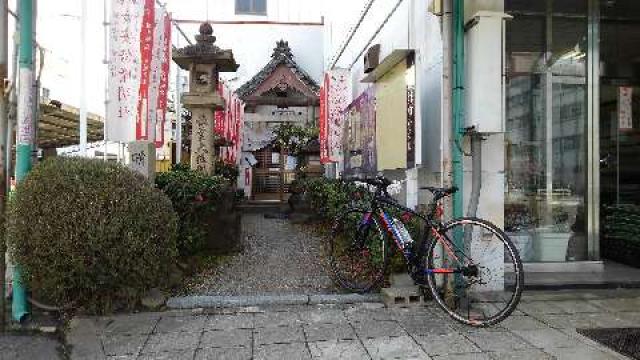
(281, 56)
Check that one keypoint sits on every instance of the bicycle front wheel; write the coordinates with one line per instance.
(474, 272)
(358, 251)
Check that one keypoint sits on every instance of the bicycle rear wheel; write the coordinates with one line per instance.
(476, 275)
(358, 251)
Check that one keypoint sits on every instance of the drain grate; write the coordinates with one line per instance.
(623, 340)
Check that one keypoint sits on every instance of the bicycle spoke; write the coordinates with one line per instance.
(478, 293)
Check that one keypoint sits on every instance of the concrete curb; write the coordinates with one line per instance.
(205, 301)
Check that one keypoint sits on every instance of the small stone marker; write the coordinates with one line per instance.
(142, 158)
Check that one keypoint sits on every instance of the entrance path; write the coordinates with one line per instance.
(279, 258)
(544, 327)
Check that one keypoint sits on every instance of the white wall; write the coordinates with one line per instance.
(277, 10)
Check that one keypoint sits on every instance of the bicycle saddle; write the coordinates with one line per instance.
(439, 193)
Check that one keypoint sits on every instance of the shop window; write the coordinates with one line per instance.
(251, 7)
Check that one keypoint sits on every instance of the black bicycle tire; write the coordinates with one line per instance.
(337, 278)
(515, 299)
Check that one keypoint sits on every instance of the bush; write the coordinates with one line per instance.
(194, 196)
(90, 233)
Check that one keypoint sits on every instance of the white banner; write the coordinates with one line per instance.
(124, 69)
(157, 57)
(338, 98)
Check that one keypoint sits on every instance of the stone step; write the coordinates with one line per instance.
(402, 296)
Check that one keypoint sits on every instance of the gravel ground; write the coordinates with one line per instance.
(279, 258)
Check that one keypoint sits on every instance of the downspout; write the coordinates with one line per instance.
(458, 105)
(476, 175)
(25, 135)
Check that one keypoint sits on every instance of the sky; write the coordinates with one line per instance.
(58, 34)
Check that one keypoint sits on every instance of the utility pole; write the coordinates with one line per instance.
(25, 134)
(4, 112)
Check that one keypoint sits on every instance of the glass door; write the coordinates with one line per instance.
(620, 129)
(546, 132)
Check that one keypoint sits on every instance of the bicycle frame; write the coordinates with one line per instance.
(378, 205)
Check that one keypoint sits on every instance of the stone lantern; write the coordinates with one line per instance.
(204, 61)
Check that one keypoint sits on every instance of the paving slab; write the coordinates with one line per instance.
(279, 335)
(470, 356)
(227, 339)
(529, 354)
(497, 341)
(181, 323)
(176, 355)
(226, 354)
(171, 342)
(358, 330)
(548, 338)
(323, 316)
(29, 347)
(580, 353)
(403, 347)
(522, 323)
(374, 329)
(326, 332)
(297, 351)
(446, 344)
(338, 350)
(273, 319)
(229, 322)
(119, 345)
(618, 305)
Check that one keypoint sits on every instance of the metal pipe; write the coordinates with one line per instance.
(178, 108)
(83, 83)
(386, 19)
(458, 105)
(476, 175)
(164, 6)
(105, 61)
(24, 135)
(344, 45)
(4, 107)
(252, 22)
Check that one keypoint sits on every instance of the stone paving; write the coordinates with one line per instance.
(29, 347)
(279, 258)
(542, 328)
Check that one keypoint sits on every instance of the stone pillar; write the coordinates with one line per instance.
(204, 61)
(142, 158)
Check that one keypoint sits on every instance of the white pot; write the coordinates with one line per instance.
(524, 244)
(551, 246)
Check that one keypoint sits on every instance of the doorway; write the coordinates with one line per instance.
(619, 102)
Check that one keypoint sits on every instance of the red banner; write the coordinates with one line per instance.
(164, 82)
(324, 124)
(146, 50)
(228, 124)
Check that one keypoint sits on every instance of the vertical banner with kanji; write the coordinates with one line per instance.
(324, 143)
(146, 56)
(124, 69)
(164, 50)
(338, 98)
(229, 124)
(154, 75)
(335, 96)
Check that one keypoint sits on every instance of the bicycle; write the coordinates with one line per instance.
(469, 265)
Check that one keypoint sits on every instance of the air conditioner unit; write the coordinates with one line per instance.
(372, 58)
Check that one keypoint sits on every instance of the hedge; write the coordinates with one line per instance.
(91, 233)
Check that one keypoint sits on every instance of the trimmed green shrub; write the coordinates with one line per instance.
(194, 196)
(91, 233)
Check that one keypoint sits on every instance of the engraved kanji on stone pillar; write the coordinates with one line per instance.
(204, 61)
